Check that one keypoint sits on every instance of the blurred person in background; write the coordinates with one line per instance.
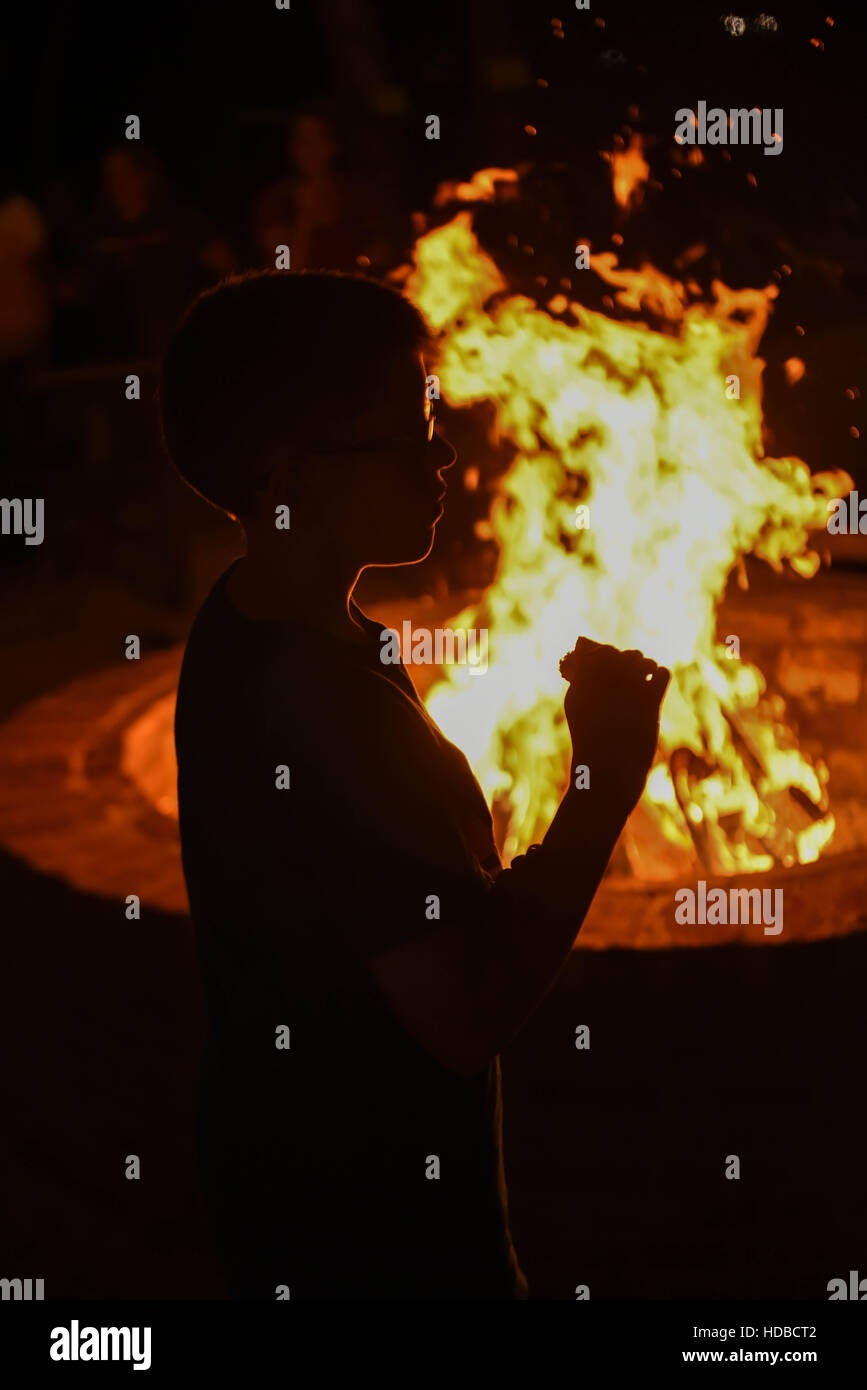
(145, 253)
(25, 305)
(327, 216)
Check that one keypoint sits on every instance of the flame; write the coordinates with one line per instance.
(634, 424)
(629, 172)
(482, 187)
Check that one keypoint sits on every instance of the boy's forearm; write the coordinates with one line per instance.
(540, 906)
(586, 820)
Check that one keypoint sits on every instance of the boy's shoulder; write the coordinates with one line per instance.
(285, 672)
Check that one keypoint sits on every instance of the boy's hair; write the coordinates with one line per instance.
(266, 363)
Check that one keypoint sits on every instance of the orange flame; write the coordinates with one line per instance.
(629, 172)
(636, 426)
(482, 187)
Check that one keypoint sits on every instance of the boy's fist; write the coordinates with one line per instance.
(612, 709)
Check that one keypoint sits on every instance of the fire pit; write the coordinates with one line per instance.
(89, 777)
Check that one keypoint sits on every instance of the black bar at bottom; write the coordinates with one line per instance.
(214, 1338)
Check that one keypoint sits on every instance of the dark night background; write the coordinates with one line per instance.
(613, 1156)
(214, 86)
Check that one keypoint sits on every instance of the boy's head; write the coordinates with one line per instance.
(308, 390)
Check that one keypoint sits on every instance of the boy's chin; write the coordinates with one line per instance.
(408, 550)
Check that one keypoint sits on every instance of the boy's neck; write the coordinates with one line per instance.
(261, 591)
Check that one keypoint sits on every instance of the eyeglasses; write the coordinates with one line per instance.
(388, 443)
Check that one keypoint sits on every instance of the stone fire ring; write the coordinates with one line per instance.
(82, 769)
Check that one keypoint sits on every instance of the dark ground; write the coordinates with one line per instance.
(615, 1156)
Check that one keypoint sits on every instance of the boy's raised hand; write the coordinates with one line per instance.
(612, 709)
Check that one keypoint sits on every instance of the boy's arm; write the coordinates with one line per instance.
(464, 988)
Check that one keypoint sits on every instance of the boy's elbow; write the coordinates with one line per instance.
(438, 1010)
(462, 1053)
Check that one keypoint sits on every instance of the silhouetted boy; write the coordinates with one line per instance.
(350, 1122)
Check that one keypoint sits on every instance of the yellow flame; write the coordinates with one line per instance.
(636, 425)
